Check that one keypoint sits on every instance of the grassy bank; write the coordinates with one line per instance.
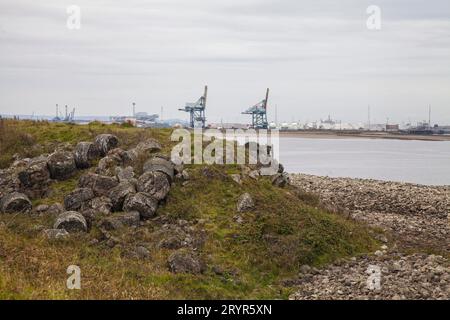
(249, 257)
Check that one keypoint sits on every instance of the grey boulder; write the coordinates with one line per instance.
(71, 221)
(15, 202)
(105, 142)
(76, 199)
(158, 164)
(143, 203)
(84, 153)
(154, 183)
(119, 193)
(61, 165)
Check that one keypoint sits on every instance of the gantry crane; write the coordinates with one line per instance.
(259, 113)
(197, 110)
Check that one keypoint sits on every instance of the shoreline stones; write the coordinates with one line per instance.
(71, 221)
(15, 202)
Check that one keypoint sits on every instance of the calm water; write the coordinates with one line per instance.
(422, 162)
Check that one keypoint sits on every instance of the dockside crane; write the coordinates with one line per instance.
(197, 110)
(259, 113)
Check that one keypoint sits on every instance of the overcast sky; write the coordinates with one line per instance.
(317, 57)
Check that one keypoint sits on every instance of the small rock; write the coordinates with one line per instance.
(71, 221)
(142, 252)
(154, 183)
(245, 203)
(236, 178)
(183, 261)
(56, 234)
(15, 202)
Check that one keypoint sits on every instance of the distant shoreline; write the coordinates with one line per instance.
(364, 135)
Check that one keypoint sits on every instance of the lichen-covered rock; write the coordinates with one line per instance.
(119, 193)
(35, 172)
(185, 261)
(101, 185)
(154, 183)
(105, 142)
(245, 203)
(117, 221)
(15, 202)
(143, 203)
(84, 153)
(149, 145)
(76, 199)
(107, 165)
(124, 174)
(158, 164)
(102, 205)
(61, 165)
(71, 221)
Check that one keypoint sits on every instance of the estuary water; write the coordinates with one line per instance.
(421, 162)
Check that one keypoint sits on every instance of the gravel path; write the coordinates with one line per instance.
(416, 222)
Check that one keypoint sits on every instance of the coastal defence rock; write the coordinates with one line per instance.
(85, 153)
(102, 205)
(15, 202)
(105, 142)
(158, 164)
(35, 177)
(71, 221)
(143, 203)
(76, 199)
(61, 165)
(154, 183)
(101, 185)
(119, 193)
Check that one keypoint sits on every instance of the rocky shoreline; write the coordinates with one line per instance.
(413, 262)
